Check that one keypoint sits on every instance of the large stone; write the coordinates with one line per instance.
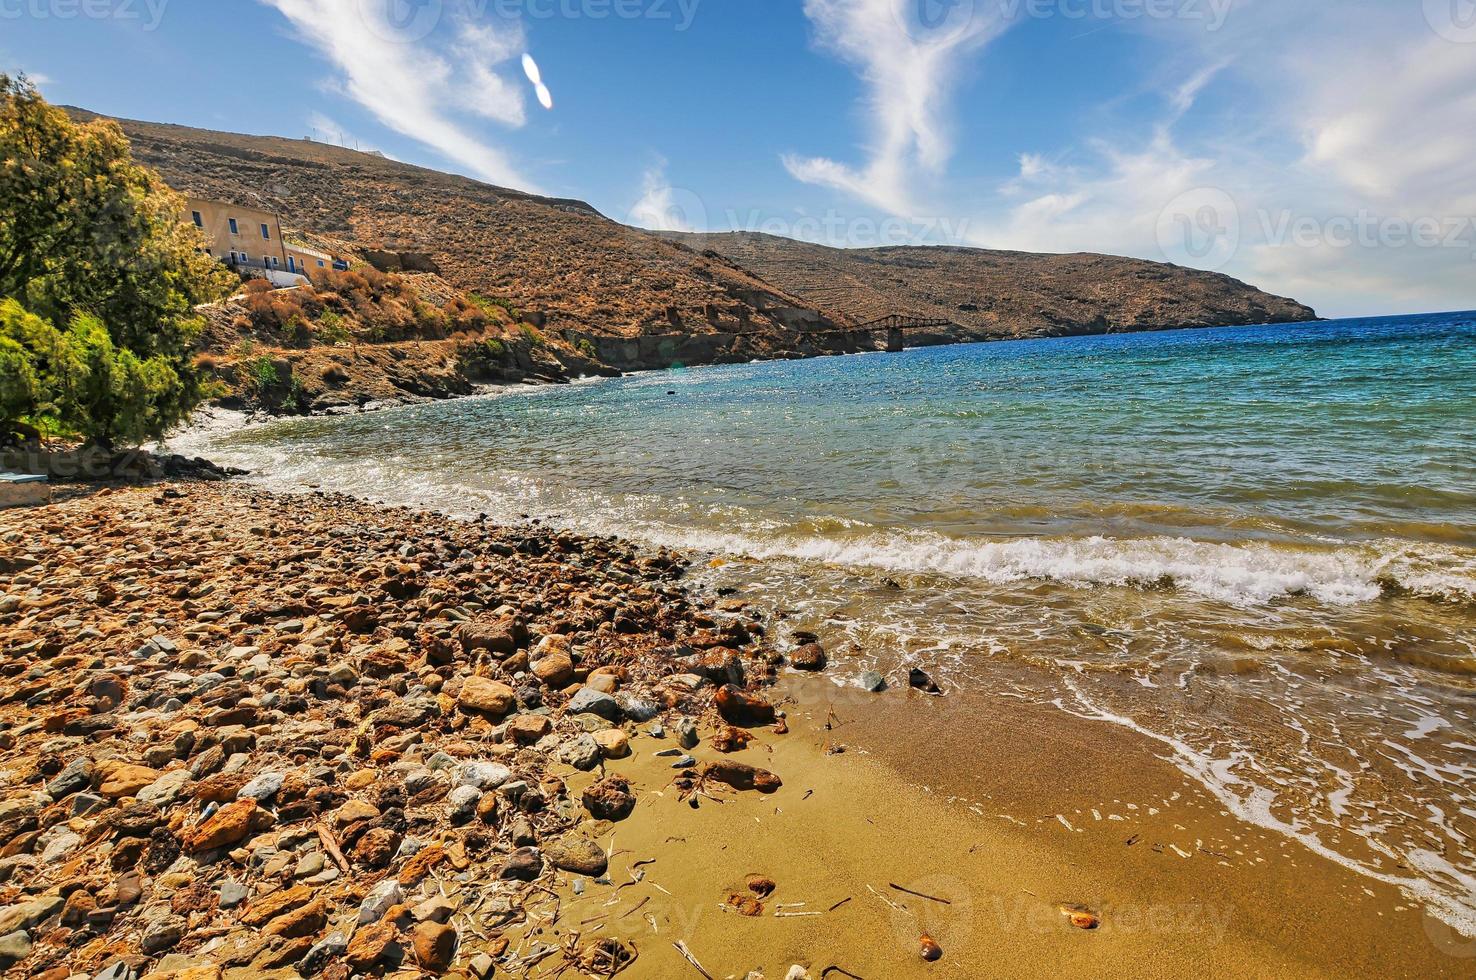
(263, 787)
(370, 944)
(613, 743)
(524, 864)
(435, 946)
(29, 914)
(577, 854)
(527, 729)
(582, 752)
(121, 779)
(381, 898)
(229, 825)
(14, 947)
(589, 701)
(482, 775)
(76, 777)
(555, 670)
(488, 696)
(809, 657)
(610, 799)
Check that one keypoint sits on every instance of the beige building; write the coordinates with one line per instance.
(251, 240)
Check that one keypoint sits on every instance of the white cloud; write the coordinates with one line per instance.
(663, 208)
(415, 88)
(909, 71)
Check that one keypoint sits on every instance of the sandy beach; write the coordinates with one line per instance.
(981, 824)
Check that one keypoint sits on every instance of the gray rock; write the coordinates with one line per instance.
(233, 893)
(590, 701)
(873, 682)
(85, 803)
(263, 787)
(463, 800)
(118, 971)
(379, 901)
(166, 788)
(76, 777)
(419, 780)
(14, 948)
(162, 935)
(686, 733)
(685, 762)
(638, 709)
(482, 775)
(320, 953)
(581, 752)
(308, 865)
(59, 846)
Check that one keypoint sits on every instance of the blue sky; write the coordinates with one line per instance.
(1325, 151)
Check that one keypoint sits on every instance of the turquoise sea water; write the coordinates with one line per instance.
(1257, 546)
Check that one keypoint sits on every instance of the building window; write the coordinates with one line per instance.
(320, 263)
(199, 219)
(266, 233)
(245, 257)
(234, 229)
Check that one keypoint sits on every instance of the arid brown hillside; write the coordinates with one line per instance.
(992, 294)
(558, 261)
(641, 300)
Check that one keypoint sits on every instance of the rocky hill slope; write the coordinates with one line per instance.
(574, 273)
(996, 294)
(632, 299)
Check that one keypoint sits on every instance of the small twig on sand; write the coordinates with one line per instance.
(888, 901)
(840, 903)
(909, 891)
(835, 969)
(681, 947)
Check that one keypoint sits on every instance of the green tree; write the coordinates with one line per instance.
(93, 240)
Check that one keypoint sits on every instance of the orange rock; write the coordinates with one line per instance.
(555, 670)
(484, 694)
(229, 825)
(369, 945)
(435, 946)
(419, 866)
(740, 708)
(265, 909)
(120, 779)
(299, 923)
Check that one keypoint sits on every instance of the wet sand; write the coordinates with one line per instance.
(1007, 812)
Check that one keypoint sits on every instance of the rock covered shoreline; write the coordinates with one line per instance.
(250, 735)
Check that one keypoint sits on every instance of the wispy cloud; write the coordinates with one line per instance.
(661, 207)
(1317, 179)
(415, 86)
(909, 69)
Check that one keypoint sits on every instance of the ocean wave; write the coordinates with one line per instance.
(1241, 574)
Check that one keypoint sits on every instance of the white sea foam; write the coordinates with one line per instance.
(1447, 891)
(1241, 574)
